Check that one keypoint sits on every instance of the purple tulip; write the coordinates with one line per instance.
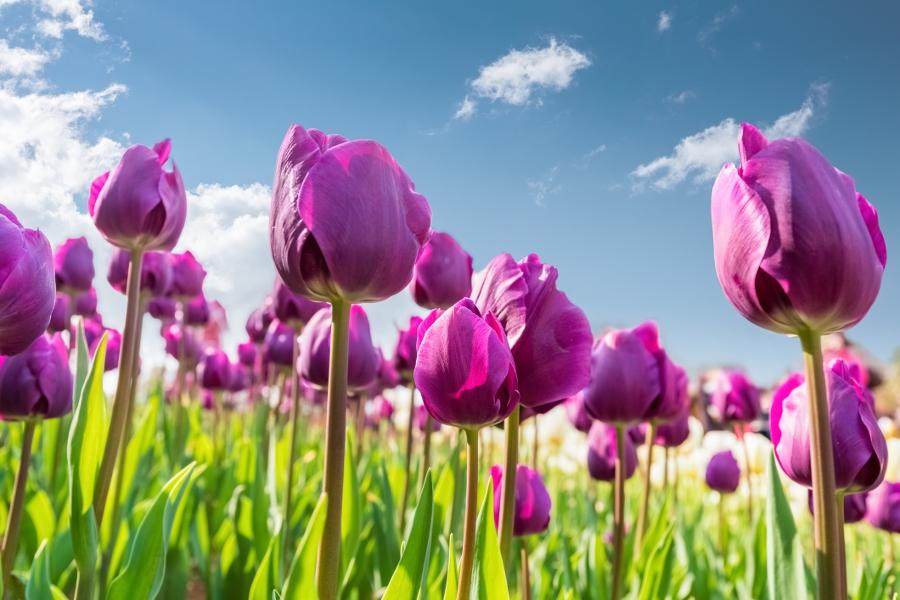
(675, 432)
(673, 398)
(60, 317)
(532, 502)
(723, 473)
(380, 410)
(465, 369)
(860, 450)
(258, 323)
(182, 345)
(421, 419)
(315, 350)
(637, 434)
(240, 378)
(113, 346)
(196, 311)
(549, 336)
(74, 264)
(27, 284)
(215, 371)
(140, 205)
(883, 507)
(86, 303)
(247, 354)
(443, 273)
(386, 377)
(405, 352)
(279, 344)
(293, 308)
(602, 450)
(854, 507)
(796, 246)
(36, 382)
(162, 308)
(733, 397)
(578, 416)
(156, 274)
(117, 274)
(208, 399)
(187, 276)
(346, 221)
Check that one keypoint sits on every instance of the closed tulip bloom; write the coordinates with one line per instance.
(854, 507)
(675, 432)
(117, 274)
(883, 507)
(673, 397)
(215, 371)
(796, 246)
(625, 379)
(113, 347)
(315, 350)
(208, 400)
(140, 205)
(182, 345)
(443, 273)
(279, 344)
(464, 368)
(602, 449)
(293, 308)
(247, 354)
(59, 318)
(27, 284)
(723, 473)
(549, 336)
(187, 276)
(422, 419)
(405, 351)
(196, 311)
(532, 501)
(258, 323)
(346, 221)
(578, 416)
(240, 378)
(156, 273)
(733, 397)
(36, 382)
(86, 303)
(860, 450)
(74, 264)
(162, 308)
(637, 434)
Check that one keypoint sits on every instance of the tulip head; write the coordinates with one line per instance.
(405, 352)
(854, 507)
(577, 414)
(215, 371)
(196, 311)
(292, 308)
(279, 344)
(140, 205)
(464, 367)
(443, 273)
(247, 354)
(61, 315)
(860, 450)
(182, 345)
(797, 248)
(86, 303)
(258, 323)
(315, 350)
(675, 432)
(723, 473)
(187, 276)
(156, 274)
(74, 265)
(162, 308)
(883, 507)
(36, 382)
(346, 222)
(27, 284)
(602, 452)
(421, 419)
(532, 501)
(733, 397)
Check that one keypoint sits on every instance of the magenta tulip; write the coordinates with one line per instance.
(247, 354)
(883, 507)
(315, 349)
(74, 265)
(723, 473)
(577, 414)
(293, 308)
(733, 397)
(258, 323)
(532, 501)
(162, 308)
(279, 344)
(93, 332)
(422, 419)
(602, 449)
(443, 273)
(187, 276)
(196, 311)
(61, 315)
(215, 371)
(36, 382)
(182, 345)
(854, 507)
(405, 351)
(86, 303)
(675, 432)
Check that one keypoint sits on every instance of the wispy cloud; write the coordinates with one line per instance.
(700, 156)
(521, 77)
(544, 187)
(664, 21)
(681, 97)
(718, 21)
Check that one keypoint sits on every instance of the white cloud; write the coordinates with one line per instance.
(22, 62)
(700, 156)
(545, 186)
(718, 21)
(69, 15)
(596, 151)
(664, 22)
(681, 97)
(519, 77)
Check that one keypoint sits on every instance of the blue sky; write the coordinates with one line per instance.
(549, 161)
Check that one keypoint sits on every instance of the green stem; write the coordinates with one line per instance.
(426, 449)
(84, 587)
(14, 518)
(619, 514)
(525, 584)
(666, 470)
(747, 474)
(467, 561)
(829, 578)
(329, 560)
(645, 502)
(508, 497)
(534, 443)
(286, 554)
(360, 423)
(723, 531)
(130, 347)
(410, 425)
(841, 541)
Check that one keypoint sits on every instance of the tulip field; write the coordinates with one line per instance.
(499, 448)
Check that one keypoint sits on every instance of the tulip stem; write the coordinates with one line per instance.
(410, 424)
(645, 501)
(743, 437)
(841, 532)
(130, 345)
(665, 470)
(467, 561)
(360, 423)
(286, 554)
(829, 579)
(14, 518)
(508, 497)
(329, 559)
(525, 584)
(426, 448)
(534, 443)
(619, 514)
(723, 531)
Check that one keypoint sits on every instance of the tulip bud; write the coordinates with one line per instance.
(156, 273)
(113, 343)
(675, 432)
(405, 352)
(279, 344)
(140, 205)
(215, 371)
(292, 308)
(36, 382)
(883, 507)
(346, 221)
(86, 303)
(723, 473)
(247, 354)
(443, 273)
(74, 264)
(187, 276)
(464, 368)
(196, 311)
(532, 501)
(315, 350)
(854, 507)
(258, 323)
(162, 308)
(602, 450)
(733, 397)
(61, 315)
(578, 416)
(181, 345)
(860, 450)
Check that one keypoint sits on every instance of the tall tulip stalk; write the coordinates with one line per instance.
(346, 226)
(799, 251)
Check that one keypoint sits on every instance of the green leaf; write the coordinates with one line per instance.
(350, 515)
(87, 437)
(143, 573)
(450, 589)
(301, 578)
(657, 575)
(39, 586)
(409, 575)
(268, 574)
(783, 553)
(488, 576)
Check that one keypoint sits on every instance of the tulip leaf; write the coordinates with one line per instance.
(488, 576)
(350, 515)
(145, 567)
(301, 578)
(268, 574)
(784, 556)
(39, 586)
(450, 589)
(409, 576)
